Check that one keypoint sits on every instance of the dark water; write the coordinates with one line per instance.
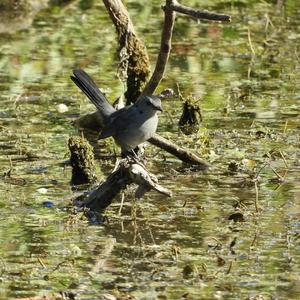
(247, 75)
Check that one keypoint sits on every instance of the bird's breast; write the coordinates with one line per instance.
(136, 132)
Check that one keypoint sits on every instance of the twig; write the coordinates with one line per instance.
(198, 13)
(121, 204)
(256, 195)
(252, 56)
(260, 170)
(250, 43)
(276, 173)
(285, 126)
(229, 267)
(41, 263)
(283, 158)
(254, 239)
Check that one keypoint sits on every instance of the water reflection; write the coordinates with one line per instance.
(18, 15)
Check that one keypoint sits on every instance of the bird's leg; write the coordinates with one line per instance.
(128, 154)
(137, 152)
(134, 153)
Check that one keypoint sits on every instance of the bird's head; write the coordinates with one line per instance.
(149, 103)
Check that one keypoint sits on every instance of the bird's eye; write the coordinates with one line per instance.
(149, 103)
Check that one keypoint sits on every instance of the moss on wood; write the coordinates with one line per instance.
(82, 161)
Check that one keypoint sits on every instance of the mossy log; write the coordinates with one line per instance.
(128, 171)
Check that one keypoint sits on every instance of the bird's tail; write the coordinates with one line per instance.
(89, 87)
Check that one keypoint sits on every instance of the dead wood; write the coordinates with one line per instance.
(128, 171)
(183, 154)
(134, 65)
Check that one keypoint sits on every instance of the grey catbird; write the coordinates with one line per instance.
(129, 126)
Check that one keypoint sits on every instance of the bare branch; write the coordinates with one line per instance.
(183, 154)
(165, 49)
(119, 15)
(127, 172)
(198, 13)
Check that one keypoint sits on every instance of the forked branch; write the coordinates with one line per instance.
(199, 14)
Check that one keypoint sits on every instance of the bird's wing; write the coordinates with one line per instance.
(89, 87)
(119, 122)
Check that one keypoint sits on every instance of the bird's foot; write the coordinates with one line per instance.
(134, 155)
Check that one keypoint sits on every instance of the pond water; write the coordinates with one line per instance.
(229, 233)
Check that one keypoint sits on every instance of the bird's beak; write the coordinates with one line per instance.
(159, 108)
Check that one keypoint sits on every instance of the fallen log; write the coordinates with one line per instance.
(128, 171)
